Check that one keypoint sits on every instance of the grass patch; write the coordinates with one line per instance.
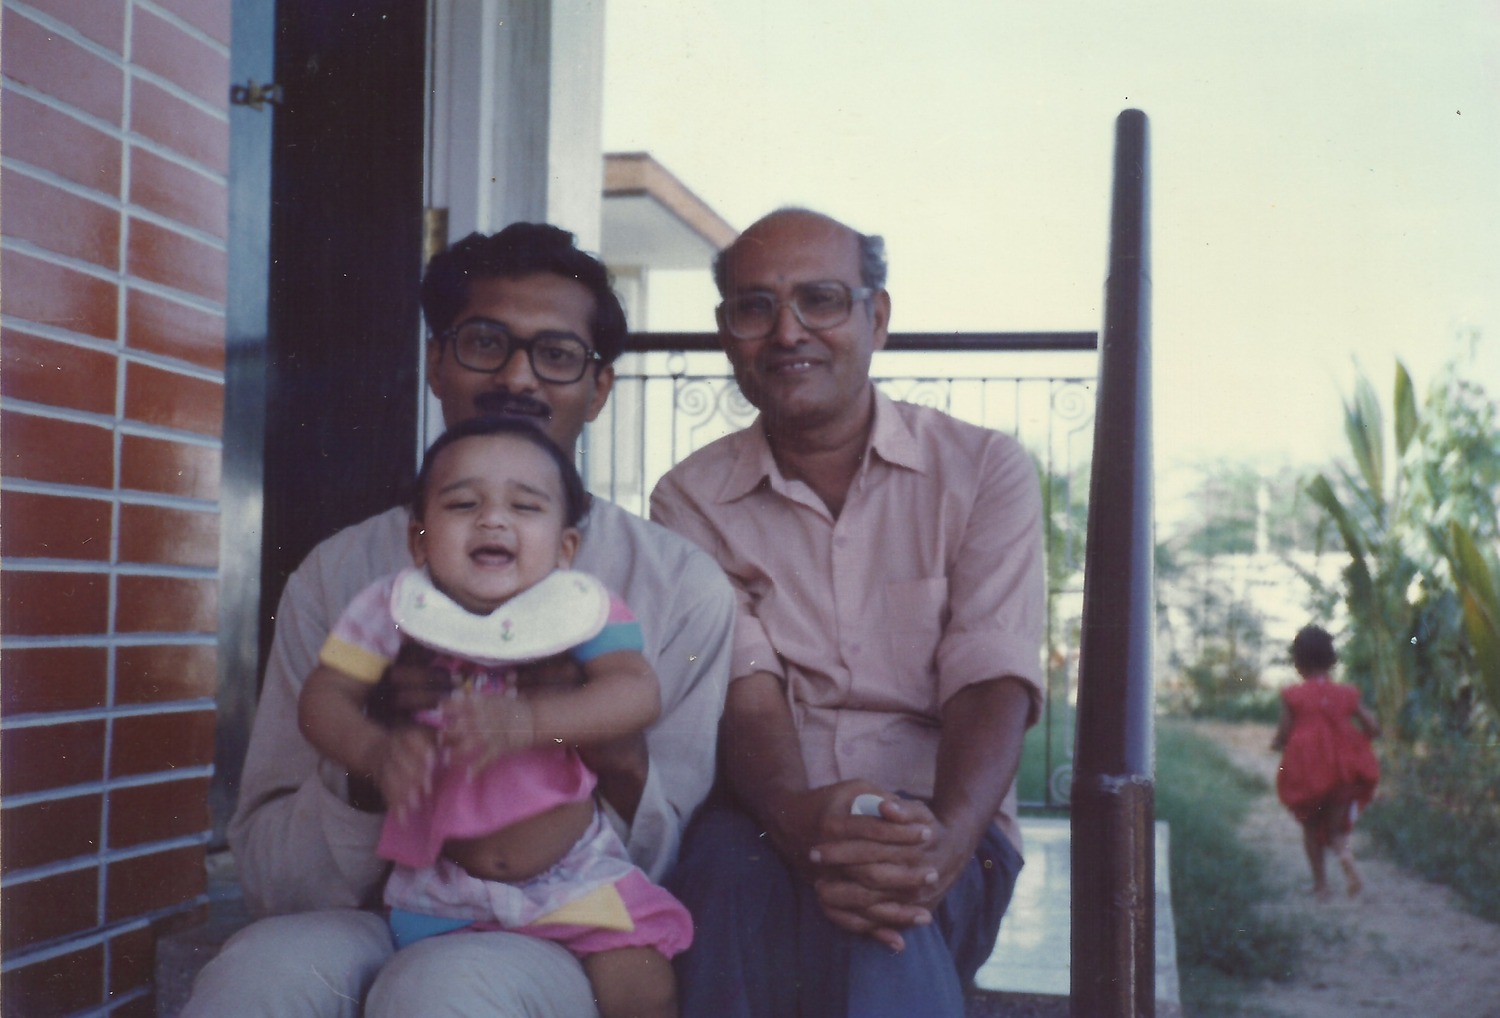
(1225, 943)
(1438, 814)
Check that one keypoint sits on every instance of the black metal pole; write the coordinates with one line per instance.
(1113, 839)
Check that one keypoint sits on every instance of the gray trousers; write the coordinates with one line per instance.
(340, 963)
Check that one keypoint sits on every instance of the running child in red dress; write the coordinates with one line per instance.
(1328, 770)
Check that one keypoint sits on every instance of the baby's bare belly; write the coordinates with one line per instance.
(523, 849)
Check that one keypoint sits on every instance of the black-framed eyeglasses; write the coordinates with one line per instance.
(816, 305)
(485, 345)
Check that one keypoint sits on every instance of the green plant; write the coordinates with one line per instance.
(1368, 518)
(1438, 814)
(1480, 594)
(1223, 675)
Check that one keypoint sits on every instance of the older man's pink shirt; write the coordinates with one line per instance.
(930, 580)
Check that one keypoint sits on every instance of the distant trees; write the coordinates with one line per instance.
(1229, 594)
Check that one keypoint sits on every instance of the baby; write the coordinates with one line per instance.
(492, 822)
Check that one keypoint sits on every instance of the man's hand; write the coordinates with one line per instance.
(869, 872)
(887, 873)
(764, 765)
(877, 879)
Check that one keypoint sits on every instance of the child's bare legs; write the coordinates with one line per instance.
(632, 982)
(1327, 830)
(1315, 842)
(1314, 846)
(1339, 843)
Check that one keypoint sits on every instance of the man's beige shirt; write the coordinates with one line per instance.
(930, 579)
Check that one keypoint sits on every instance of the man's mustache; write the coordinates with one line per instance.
(507, 404)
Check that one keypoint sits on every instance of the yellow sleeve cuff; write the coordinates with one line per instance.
(352, 660)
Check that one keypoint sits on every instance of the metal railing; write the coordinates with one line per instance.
(674, 394)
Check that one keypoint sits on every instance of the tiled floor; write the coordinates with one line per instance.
(1032, 956)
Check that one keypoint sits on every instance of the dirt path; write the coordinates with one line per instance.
(1402, 948)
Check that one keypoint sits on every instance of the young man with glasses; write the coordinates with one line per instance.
(523, 324)
(888, 562)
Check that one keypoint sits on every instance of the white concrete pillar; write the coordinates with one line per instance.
(515, 118)
(515, 121)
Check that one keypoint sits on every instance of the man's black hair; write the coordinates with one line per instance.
(521, 249)
(1312, 650)
(575, 497)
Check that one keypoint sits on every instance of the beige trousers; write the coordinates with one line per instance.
(340, 964)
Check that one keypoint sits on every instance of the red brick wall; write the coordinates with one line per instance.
(114, 135)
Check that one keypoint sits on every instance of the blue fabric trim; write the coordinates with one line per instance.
(409, 927)
(614, 636)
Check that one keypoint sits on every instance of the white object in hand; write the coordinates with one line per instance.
(866, 805)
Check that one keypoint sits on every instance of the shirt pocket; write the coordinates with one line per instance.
(915, 611)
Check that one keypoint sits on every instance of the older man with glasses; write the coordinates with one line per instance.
(888, 562)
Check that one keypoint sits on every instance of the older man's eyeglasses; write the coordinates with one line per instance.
(816, 305)
(481, 344)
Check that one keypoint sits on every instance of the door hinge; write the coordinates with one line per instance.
(254, 95)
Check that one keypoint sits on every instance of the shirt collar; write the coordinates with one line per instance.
(890, 439)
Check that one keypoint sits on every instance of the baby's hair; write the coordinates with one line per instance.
(575, 497)
(1312, 650)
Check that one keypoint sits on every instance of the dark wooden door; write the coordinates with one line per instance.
(324, 333)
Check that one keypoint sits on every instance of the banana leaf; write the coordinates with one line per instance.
(1405, 410)
(1365, 426)
(1321, 492)
(1481, 604)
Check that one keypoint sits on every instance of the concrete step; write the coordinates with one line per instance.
(1028, 976)
(1031, 964)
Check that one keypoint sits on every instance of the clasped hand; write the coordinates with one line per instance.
(874, 876)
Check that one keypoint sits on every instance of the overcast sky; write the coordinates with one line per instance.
(1325, 175)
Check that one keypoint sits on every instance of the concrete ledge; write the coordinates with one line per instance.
(1031, 963)
(1016, 1005)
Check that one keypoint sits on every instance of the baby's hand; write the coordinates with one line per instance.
(479, 727)
(404, 771)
